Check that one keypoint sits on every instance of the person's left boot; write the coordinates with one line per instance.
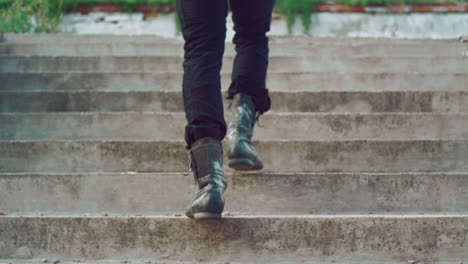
(242, 154)
(206, 162)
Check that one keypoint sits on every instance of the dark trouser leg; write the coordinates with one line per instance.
(204, 29)
(252, 21)
(250, 97)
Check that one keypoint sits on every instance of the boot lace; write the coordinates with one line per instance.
(190, 169)
(256, 118)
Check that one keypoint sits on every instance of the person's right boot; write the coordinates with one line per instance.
(242, 154)
(206, 155)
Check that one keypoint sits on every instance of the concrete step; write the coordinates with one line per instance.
(117, 194)
(428, 238)
(276, 49)
(253, 260)
(162, 101)
(20, 38)
(274, 126)
(62, 38)
(276, 81)
(277, 155)
(285, 64)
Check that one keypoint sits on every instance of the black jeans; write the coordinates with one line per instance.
(204, 30)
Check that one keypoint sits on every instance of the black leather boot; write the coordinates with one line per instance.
(242, 154)
(206, 162)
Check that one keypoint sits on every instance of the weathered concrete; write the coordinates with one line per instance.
(408, 25)
(280, 155)
(161, 101)
(311, 260)
(247, 193)
(164, 64)
(152, 38)
(276, 81)
(427, 238)
(276, 49)
(412, 25)
(274, 126)
(352, 160)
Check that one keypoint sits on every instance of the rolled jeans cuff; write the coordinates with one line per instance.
(260, 97)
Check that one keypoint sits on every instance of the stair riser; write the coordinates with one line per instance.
(287, 49)
(277, 64)
(339, 101)
(284, 156)
(252, 194)
(72, 81)
(426, 238)
(62, 38)
(74, 193)
(150, 126)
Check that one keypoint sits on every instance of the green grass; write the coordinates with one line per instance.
(15, 15)
(39, 16)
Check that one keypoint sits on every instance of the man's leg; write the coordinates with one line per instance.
(248, 90)
(204, 29)
(252, 20)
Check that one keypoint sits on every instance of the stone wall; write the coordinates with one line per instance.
(414, 25)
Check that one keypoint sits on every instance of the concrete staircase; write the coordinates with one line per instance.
(365, 152)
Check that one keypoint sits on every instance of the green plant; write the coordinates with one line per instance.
(131, 5)
(127, 5)
(15, 18)
(38, 16)
(45, 15)
(177, 22)
(70, 4)
(292, 8)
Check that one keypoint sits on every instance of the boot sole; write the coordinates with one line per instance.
(243, 165)
(207, 216)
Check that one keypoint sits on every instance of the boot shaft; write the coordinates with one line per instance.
(206, 156)
(243, 116)
(206, 162)
(242, 154)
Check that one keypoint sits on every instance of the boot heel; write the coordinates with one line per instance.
(242, 154)
(241, 164)
(206, 159)
(207, 215)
